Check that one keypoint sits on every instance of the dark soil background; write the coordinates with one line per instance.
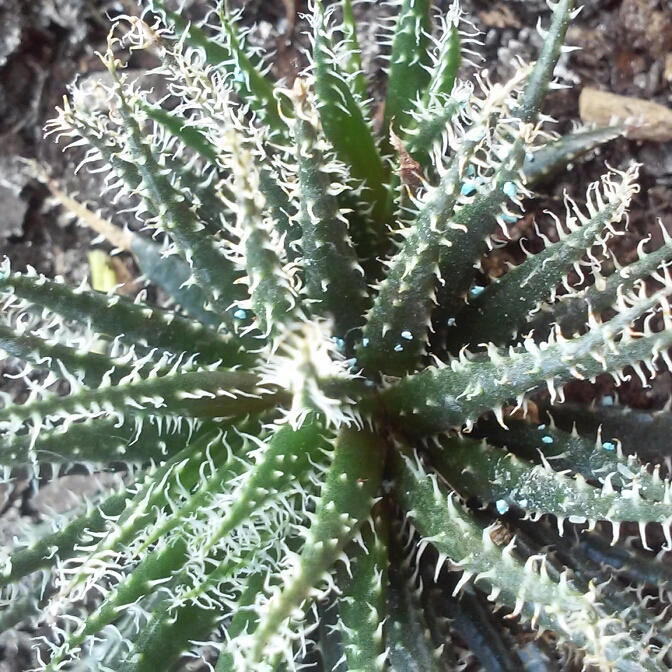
(626, 48)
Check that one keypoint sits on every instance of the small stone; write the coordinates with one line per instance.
(13, 206)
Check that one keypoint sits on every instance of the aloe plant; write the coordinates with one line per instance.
(331, 440)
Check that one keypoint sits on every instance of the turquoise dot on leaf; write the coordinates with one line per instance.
(468, 188)
(501, 506)
(510, 189)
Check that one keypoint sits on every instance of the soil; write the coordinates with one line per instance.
(44, 44)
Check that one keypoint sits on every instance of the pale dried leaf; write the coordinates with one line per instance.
(645, 120)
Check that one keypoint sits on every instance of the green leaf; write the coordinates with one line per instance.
(349, 133)
(431, 127)
(523, 586)
(210, 208)
(553, 155)
(409, 64)
(254, 88)
(361, 601)
(495, 476)
(25, 608)
(155, 491)
(345, 502)
(269, 278)
(175, 275)
(439, 245)
(168, 635)
(207, 394)
(244, 618)
(596, 459)
(645, 433)
(286, 457)
(171, 491)
(215, 52)
(501, 310)
(181, 128)
(410, 644)
(63, 544)
(90, 368)
(97, 440)
(572, 311)
(632, 563)
(541, 77)
(447, 59)
(334, 280)
(140, 582)
(353, 63)
(451, 395)
(205, 255)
